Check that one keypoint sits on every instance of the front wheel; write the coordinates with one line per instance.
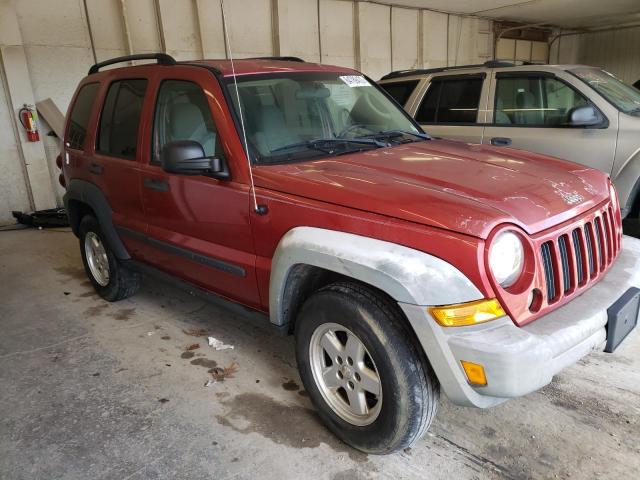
(363, 370)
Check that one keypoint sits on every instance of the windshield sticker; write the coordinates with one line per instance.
(355, 81)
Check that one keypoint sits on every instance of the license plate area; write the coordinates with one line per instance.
(623, 317)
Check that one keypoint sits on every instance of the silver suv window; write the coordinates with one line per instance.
(622, 96)
(400, 91)
(451, 100)
(535, 101)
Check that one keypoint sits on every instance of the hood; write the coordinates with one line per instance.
(465, 188)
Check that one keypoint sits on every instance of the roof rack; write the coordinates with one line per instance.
(281, 59)
(162, 58)
(488, 64)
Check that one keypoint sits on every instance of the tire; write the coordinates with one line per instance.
(119, 282)
(401, 413)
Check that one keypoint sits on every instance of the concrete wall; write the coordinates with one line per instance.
(617, 51)
(53, 43)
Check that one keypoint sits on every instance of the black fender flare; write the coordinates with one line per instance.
(89, 194)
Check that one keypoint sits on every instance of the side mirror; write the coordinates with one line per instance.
(586, 116)
(186, 157)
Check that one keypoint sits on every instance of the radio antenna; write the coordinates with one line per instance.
(259, 209)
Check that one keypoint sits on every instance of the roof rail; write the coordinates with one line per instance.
(282, 59)
(424, 71)
(488, 64)
(162, 58)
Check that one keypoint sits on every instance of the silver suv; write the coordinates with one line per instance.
(574, 112)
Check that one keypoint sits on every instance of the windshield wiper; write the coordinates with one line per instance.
(327, 144)
(396, 133)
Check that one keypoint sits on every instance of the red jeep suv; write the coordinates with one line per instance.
(402, 264)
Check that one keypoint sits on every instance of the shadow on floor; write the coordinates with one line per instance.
(631, 226)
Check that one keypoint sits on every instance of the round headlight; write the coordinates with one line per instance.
(506, 258)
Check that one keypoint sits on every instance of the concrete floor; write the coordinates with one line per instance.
(95, 390)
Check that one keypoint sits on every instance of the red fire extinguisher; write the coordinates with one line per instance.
(28, 117)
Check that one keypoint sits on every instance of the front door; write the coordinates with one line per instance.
(198, 226)
(531, 111)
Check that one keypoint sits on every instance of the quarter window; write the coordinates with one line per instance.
(535, 101)
(400, 91)
(118, 135)
(80, 116)
(182, 113)
(451, 101)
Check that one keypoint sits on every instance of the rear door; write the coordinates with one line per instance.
(531, 111)
(199, 226)
(115, 162)
(454, 106)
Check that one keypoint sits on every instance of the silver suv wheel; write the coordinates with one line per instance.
(96, 258)
(345, 374)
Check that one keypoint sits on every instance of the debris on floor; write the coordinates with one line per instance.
(219, 374)
(51, 218)
(219, 344)
(196, 332)
(193, 346)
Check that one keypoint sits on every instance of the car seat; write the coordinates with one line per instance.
(188, 123)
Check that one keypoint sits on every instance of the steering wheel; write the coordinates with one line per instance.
(353, 127)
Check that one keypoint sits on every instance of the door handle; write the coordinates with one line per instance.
(96, 169)
(500, 141)
(153, 184)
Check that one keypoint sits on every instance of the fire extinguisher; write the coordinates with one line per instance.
(28, 116)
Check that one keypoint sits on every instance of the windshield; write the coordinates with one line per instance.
(622, 96)
(298, 116)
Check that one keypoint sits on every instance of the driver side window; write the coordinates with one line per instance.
(535, 101)
(182, 113)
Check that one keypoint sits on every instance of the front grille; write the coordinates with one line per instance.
(548, 270)
(575, 257)
(577, 249)
(564, 258)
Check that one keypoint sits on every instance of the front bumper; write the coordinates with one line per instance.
(520, 360)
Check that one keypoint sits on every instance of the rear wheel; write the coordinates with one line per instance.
(111, 280)
(363, 370)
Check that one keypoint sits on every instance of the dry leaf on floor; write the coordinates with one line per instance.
(219, 374)
(196, 332)
(193, 346)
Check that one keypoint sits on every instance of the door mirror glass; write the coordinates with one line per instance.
(187, 157)
(586, 116)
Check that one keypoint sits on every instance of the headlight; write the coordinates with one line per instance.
(506, 258)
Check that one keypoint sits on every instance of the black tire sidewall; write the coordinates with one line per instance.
(400, 369)
(110, 291)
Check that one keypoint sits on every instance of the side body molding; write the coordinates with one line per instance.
(407, 275)
(87, 193)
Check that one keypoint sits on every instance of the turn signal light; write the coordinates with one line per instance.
(475, 373)
(470, 313)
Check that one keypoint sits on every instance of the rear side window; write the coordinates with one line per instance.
(451, 101)
(400, 91)
(118, 133)
(80, 115)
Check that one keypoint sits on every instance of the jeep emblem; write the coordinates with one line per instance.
(571, 198)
